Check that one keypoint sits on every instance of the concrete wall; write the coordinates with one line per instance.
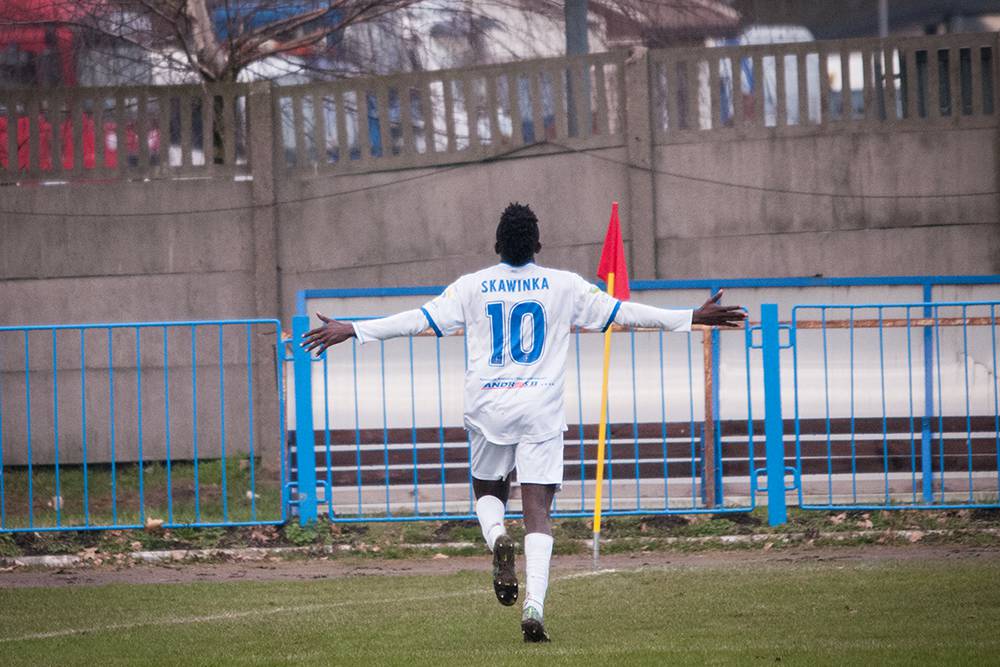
(428, 231)
(116, 253)
(129, 247)
(110, 256)
(433, 229)
(705, 229)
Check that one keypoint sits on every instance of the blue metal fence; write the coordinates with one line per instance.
(870, 404)
(916, 427)
(113, 425)
(376, 447)
(805, 459)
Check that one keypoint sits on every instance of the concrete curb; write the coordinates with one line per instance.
(182, 555)
(263, 553)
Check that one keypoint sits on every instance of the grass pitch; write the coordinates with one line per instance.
(900, 612)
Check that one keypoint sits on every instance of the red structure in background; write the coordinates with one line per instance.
(40, 28)
(88, 142)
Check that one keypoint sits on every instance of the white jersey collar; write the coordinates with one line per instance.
(511, 267)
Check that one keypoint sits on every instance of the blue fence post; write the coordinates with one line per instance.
(926, 457)
(777, 512)
(717, 431)
(305, 456)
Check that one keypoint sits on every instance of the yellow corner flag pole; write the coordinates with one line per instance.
(601, 432)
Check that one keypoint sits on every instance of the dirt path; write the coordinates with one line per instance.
(326, 568)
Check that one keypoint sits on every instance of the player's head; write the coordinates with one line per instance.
(517, 235)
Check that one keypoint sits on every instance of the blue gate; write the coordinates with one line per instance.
(112, 426)
(877, 405)
(882, 405)
(896, 405)
(376, 432)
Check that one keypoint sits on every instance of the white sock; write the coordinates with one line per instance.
(490, 511)
(537, 554)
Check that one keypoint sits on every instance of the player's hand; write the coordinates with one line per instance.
(331, 333)
(712, 314)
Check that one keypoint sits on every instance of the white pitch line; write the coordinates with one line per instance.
(591, 573)
(232, 615)
(226, 616)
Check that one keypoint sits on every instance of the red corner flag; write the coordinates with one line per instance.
(613, 257)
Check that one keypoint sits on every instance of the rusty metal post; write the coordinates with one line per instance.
(708, 449)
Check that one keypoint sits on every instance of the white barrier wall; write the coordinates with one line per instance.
(889, 372)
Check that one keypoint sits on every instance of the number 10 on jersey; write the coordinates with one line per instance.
(515, 326)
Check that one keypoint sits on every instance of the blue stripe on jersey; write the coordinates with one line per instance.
(614, 311)
(430, 321)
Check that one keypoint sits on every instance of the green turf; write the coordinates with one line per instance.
(119, 503)
(891, 612)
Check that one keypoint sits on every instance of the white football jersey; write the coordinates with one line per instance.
(517, 322)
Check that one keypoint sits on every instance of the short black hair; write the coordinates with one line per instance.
(517, 234)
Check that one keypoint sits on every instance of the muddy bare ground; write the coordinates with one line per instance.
(327, 568)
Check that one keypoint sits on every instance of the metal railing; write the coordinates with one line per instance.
(822, 454)
(887, 405)
(386, 441)
(919, 428)
(114, 425)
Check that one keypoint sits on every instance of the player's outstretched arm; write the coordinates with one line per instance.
(713, 314)
(330, 333)
(638, 315)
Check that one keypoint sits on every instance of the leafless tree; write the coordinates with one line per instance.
(213, 40)
(218, 40)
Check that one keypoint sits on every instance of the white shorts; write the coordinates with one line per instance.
(536, 462)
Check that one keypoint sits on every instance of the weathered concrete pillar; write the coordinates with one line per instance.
(995, 64)
(265, 271)
(265, 215)
(640, 208)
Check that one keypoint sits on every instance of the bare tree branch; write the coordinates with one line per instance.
(216, 40)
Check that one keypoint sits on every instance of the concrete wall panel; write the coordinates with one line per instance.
(431, 230)
(950, 250)
(852, 163)
(122, 243)
(152, 297)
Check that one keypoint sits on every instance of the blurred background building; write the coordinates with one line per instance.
(108, 42)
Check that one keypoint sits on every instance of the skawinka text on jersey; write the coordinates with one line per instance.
(514, 285)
